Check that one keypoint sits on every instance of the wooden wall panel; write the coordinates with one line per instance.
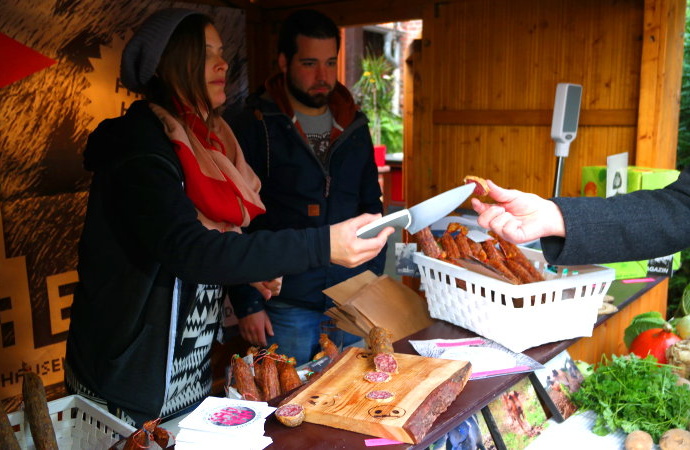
(661, 69)
(507, 57)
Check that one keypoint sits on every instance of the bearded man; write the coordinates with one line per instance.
(306, 139)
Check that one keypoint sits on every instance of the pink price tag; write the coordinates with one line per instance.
(489, 373)
(637, 280)
(379, 442)
(459, 344)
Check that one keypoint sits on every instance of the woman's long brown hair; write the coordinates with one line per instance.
(181, 76)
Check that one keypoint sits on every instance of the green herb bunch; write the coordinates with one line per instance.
(634, 394)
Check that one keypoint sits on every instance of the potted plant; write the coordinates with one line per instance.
(374, 93)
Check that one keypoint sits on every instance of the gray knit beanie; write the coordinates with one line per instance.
(143, 52)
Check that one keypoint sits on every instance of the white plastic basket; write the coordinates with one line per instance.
(562, 307)
(79, 424)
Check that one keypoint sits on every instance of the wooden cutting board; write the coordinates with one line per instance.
(423, 388)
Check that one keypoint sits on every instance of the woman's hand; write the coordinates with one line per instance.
(270, 288)
(350, 251)
(518, 216)
(254, 327)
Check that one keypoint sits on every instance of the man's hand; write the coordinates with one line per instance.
(518, 216)
(350, 251)
(270, 288)
(254, 327)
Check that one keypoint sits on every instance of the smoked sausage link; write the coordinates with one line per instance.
(269, 379)
(288, 376)
(7, 438)
(36, 412)
(244, 381)
(382, 350)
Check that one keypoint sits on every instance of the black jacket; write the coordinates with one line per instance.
(141, 232)
(300, 192)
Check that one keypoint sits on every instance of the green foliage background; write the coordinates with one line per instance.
(374, 92)
(682, 277)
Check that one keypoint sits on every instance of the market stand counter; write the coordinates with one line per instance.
(477, 393)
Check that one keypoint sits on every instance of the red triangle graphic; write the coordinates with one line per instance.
(21, 61)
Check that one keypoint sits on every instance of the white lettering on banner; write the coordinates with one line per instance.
(17, 338)
(42, 368)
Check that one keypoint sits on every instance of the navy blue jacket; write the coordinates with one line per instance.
(300, 192)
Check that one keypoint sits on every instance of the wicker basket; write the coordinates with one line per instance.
(516, 316)
(78, 424)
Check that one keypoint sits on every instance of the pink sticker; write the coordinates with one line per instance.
(461, 343)
(379, 442)
(638, 280)
(489, 373)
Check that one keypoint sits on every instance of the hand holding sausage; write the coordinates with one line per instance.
(350, 251)
(518, 216)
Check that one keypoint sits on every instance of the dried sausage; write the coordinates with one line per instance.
(328, 347)
(380, 340)
(463, 245)
(7, 438)
(382, 350)
(518, 270)
(288, 376)
(36, 412)
(449, 246)
(511, 251)
(290, 414)
(269, 383)
(244, 381)
(427, 243)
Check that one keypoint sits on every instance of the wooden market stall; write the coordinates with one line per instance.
(480, 86)
(478, 98)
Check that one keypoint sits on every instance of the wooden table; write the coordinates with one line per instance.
(475, 395)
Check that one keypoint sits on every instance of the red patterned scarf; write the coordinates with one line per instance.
(220, 183)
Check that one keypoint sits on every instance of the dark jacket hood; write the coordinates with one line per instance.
(113, 139)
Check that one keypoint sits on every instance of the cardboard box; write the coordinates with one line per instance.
(594, 185)
(365, 301)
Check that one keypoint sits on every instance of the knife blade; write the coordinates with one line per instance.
(420, 215)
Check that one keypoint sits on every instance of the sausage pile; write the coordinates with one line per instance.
(274, 374)
(502, 256)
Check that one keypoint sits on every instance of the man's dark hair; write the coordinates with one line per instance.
(309, 23)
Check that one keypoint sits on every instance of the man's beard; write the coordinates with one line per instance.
(311, 101)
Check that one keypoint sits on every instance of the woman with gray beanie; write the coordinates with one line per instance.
(169, 194)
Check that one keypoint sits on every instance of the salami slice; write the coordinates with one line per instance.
(481, 187)
(290, 414)
(385, 362)
(377, 377)
(380, 396)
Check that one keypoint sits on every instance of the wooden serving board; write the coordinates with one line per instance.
(423, 388)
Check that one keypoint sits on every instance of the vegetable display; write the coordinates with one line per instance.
(654, 342)
(634, 394)
(642, 322)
